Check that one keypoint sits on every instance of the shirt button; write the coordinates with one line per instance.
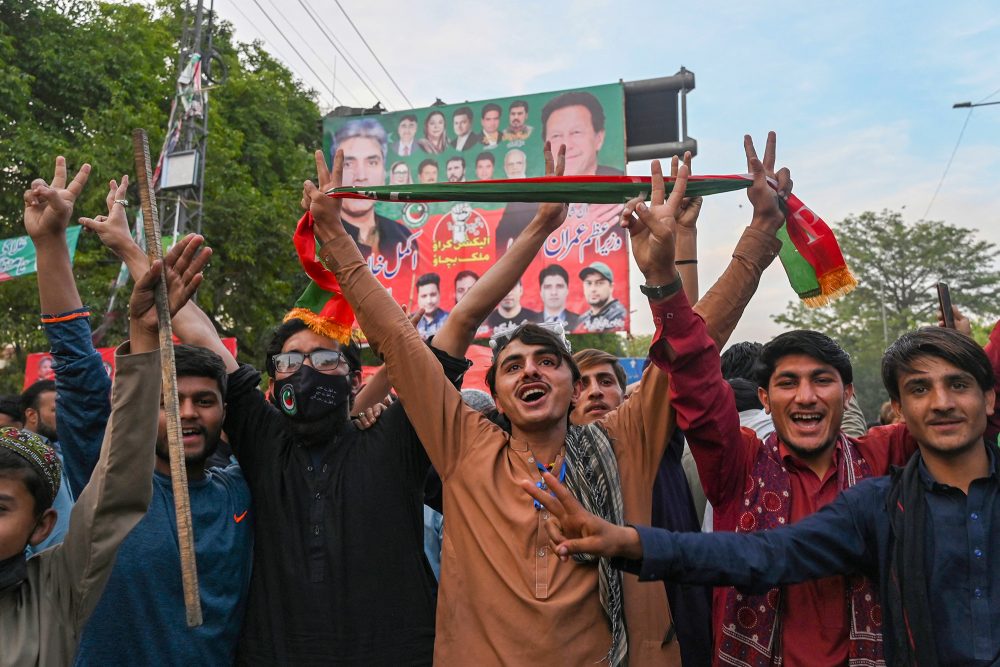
(974, 516)
(324, 467)
(978, 592)
(541, 552)
(978, 553)
(315, 530)
(318, 496)
(309, 468)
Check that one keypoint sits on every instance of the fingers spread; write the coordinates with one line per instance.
(59, 176)
(687, 159)
(76, 187)
(772, 140)
(550, 166)
(658, 189)
(750, 151)
(322, 171)
(338, 169)
(680, 186)
(674, 162)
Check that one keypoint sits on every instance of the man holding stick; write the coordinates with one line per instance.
(148, 563)
(45, 601)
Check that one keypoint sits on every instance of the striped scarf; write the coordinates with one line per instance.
(592, 476)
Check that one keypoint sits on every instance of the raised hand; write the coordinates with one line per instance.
(112, 228)
(962, 323)
(690, 208)
(768, 204)
(182, 270)
(323, 177)
(551, 214)
(652, 227)
(48, 206)
(574, 530)
(325, 210)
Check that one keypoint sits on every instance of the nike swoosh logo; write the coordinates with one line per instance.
(239, 517)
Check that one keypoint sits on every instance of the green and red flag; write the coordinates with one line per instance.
(810, 254)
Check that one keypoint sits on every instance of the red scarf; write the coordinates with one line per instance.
(751, 624)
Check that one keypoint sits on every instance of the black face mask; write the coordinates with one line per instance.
(308, 395)
(13, 571)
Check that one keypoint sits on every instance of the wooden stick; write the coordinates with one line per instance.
(171, 406)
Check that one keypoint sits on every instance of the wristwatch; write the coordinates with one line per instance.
(662, 291)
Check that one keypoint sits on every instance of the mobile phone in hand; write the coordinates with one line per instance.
(944, 301)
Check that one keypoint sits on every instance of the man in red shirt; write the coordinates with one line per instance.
(805, 381)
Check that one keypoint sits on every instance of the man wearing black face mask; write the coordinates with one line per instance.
(339, 575)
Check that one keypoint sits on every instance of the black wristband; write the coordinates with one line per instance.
(662, 291)
(681, 262)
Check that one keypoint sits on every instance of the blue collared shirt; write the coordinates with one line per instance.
(852, 535)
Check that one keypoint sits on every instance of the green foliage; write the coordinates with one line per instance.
(897, 266)
(76, 77)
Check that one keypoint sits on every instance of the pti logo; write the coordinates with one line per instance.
(288, 400)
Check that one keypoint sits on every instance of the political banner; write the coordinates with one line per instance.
(429, 254)
(17, 254)
(39, 364)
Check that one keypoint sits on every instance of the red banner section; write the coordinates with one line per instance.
(39, 365)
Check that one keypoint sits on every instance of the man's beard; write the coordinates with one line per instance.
(191, 460)
(46, 431)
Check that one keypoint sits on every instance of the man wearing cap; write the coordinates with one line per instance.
(606, 312)
(46, 600)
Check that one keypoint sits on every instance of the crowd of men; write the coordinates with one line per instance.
(561, 500)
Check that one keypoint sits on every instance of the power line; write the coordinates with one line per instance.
(319, 58)
(271, 45)
(989, 96)
(948, 166)
(326, 33)
(365, 42)
(345, 52)
(292, 46)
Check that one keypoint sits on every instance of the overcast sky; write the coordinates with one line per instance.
(860, 93)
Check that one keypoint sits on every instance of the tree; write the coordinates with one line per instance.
(897, 266)
(76, 76)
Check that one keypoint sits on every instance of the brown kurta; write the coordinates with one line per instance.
(505, 598)
(40, 622)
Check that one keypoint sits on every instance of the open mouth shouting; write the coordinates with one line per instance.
(532, 393)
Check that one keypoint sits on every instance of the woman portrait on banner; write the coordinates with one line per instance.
(435, 139)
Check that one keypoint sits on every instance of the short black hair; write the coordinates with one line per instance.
(462, 111)
(490, 107)
(429, 279)
(553, 270)
(15, 466)
(739, 360)
(803, 341)
(486, 155)
(518, 103)
(456, 158)
(192, 361)
(29, 399)
(290, 327)
(532, 334)
(408, 116)
(10, 405)
(426, 163)
(574, 99)
(745, 393)
(466, 274)
(956, 348)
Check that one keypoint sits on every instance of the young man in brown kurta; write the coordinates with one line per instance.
(504, 596)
